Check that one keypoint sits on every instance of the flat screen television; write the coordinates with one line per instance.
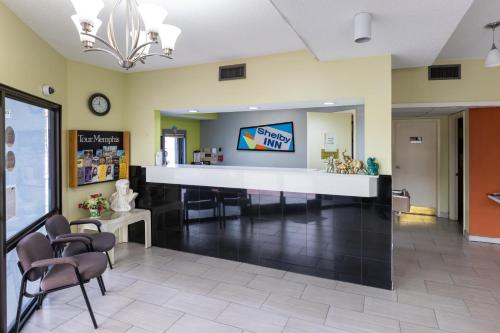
(270, 137)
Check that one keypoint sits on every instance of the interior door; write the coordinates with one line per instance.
(415, 160)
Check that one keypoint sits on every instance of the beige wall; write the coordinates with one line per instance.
(83, 80)
(318, 124)
(478, 84)
(271, 79)
(30, 62)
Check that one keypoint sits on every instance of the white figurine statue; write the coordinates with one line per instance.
(123, 199)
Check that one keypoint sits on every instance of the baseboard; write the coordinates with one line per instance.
(484, 239)
(444, 215)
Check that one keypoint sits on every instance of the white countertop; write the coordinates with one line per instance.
(265, 178)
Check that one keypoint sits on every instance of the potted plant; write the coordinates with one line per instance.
(95, 204)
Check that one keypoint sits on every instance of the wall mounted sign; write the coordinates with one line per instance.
(10, 202)
(270, 137)
(329, 142)
(98, 156)
(10, 161)
(10, 136)
(416, 139)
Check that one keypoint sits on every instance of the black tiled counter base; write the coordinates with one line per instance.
(342, 238)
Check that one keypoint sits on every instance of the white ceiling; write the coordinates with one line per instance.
(413, 31)
(212, 30)
(471, 39)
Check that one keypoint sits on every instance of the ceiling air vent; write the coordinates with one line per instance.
(445, 72)
(232, 72)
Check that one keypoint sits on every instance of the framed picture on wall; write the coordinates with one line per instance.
(98, 156)
(270, 137)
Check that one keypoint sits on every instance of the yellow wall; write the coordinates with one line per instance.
(320, 123)
(192, 126)
(271, 79)
(30, 62)
(84, 80)
(477, 84)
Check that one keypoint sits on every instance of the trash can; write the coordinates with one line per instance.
(401, 201)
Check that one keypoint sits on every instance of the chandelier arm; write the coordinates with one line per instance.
(156, 54)
(136, 25)
(114, 51)
(114, 54)
(138, 48)
(111, 31)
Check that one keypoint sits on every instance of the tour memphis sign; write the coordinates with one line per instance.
(269, 137)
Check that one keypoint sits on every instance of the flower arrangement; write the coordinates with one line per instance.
(96, 204)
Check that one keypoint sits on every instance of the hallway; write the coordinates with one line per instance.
(435, 267)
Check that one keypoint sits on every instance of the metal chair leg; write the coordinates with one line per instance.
(109, 260)
(19, 306)
(85, 297)
(223, 215)
(101, 285)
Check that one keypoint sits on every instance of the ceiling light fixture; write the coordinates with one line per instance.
(193, 111)
(329, 103)
(143, 27)
(253, 108)
(362, 27)
(493, 56)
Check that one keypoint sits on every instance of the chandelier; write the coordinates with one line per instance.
(143, 27)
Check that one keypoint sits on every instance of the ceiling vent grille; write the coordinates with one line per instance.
(232, 72)
(445, 72)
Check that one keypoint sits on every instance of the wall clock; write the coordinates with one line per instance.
(99, 104)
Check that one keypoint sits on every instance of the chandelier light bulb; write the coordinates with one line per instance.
(153, 17)
(143, 27)
(87, 10)
(168, 35)
(88, 41)
(493, 56)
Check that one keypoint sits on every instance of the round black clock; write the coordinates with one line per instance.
(99, 104)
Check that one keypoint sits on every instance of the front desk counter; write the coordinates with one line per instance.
(299, 220)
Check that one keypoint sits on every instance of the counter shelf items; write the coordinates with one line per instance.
(495, 197)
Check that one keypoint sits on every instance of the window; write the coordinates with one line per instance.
(31, 189)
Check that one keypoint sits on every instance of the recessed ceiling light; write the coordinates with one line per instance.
(329, 103)
(253, 108)
(193, 111)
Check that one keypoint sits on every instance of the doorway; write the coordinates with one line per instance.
(415, 162)
(173, 146)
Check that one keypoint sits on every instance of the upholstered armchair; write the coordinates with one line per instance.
(58, 227)
(37, 262)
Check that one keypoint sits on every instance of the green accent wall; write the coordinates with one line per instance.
(192, 127)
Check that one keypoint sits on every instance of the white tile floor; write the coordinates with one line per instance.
(443, 284)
